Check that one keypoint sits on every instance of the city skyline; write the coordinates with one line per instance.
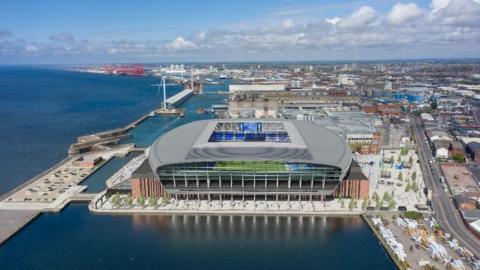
(103, 32)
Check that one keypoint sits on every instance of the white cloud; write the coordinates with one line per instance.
(333, 20)
(62, 37)
(437, 5)
(180, 43)
(403, 13)
(364, 16)
(201, 35)
(31, 48)
(288, 23)
(460, 13)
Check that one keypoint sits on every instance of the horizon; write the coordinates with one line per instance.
(92, 32)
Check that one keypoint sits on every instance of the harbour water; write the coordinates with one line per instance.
(42, 111)
(77, 239)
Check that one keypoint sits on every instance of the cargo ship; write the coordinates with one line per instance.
(134, 70)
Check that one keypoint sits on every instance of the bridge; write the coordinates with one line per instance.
(83, 197)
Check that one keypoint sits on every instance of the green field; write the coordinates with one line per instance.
(250, 166)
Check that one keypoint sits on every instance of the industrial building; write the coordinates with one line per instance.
(243, 159)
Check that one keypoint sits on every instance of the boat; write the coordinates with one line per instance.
(200, 110)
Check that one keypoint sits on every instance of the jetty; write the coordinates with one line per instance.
(12, 221)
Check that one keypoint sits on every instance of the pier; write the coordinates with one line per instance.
(173, 101)
(12, 221)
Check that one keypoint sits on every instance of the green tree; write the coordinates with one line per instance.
(386, 196)
(141, 201)
(378, 204)
(399, 159)
(407, 187)
(342, 202)
(403, 151)
(400, 176)
(458, 157)
(392, 204)
(351, 204)
(375, 196)
(414, 176)
(153, 202)
(410, 160)
(116, 200)
(414, 186)
(129, 201)
(364, 203)
(164, 199)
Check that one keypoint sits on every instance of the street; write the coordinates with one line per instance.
(444, 209)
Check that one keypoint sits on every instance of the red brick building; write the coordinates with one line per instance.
(355, 185)
(144, 182)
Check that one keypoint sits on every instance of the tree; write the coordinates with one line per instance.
(386, 197)
(410, 160)
(414, 186)
(399, 159)
(375, 196)
(403, 151)
(400, 176)
(458, 157)
(141, 201)
(407, 187)
(129, 201)
(364, 203)
(351, 204)
(391, 159)
(414, 176)
(153, 202)
(116, 200)
(342, 203)
(165, 198)
(378, 204)
(391, 204)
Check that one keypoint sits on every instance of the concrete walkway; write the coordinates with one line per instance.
(11, 221)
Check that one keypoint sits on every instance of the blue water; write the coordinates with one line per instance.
(42, 111)
(76, 239)
(96, 181)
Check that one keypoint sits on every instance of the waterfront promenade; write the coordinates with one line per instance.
(11, 221)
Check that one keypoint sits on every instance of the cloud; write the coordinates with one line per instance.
(180, 44)
(333, 20)
(31, 48)
(455, 13)
(364, 16)
(62, 37)
(403, 13)
(437, 5)
(4, 33)
(288, 23)
(365, 33)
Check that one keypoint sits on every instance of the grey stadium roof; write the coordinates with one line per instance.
(309, 143)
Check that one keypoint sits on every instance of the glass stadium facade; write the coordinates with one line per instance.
(231, 159)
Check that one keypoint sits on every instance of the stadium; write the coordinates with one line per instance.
(241, 159)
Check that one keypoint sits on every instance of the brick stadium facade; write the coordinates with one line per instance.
(355, 185)
(145, 184)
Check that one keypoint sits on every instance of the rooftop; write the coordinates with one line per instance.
(307, 143)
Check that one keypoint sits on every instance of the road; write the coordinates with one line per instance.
(444, 209)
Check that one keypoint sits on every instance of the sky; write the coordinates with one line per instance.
(108, 31)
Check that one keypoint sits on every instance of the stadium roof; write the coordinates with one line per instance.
(309, 143)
